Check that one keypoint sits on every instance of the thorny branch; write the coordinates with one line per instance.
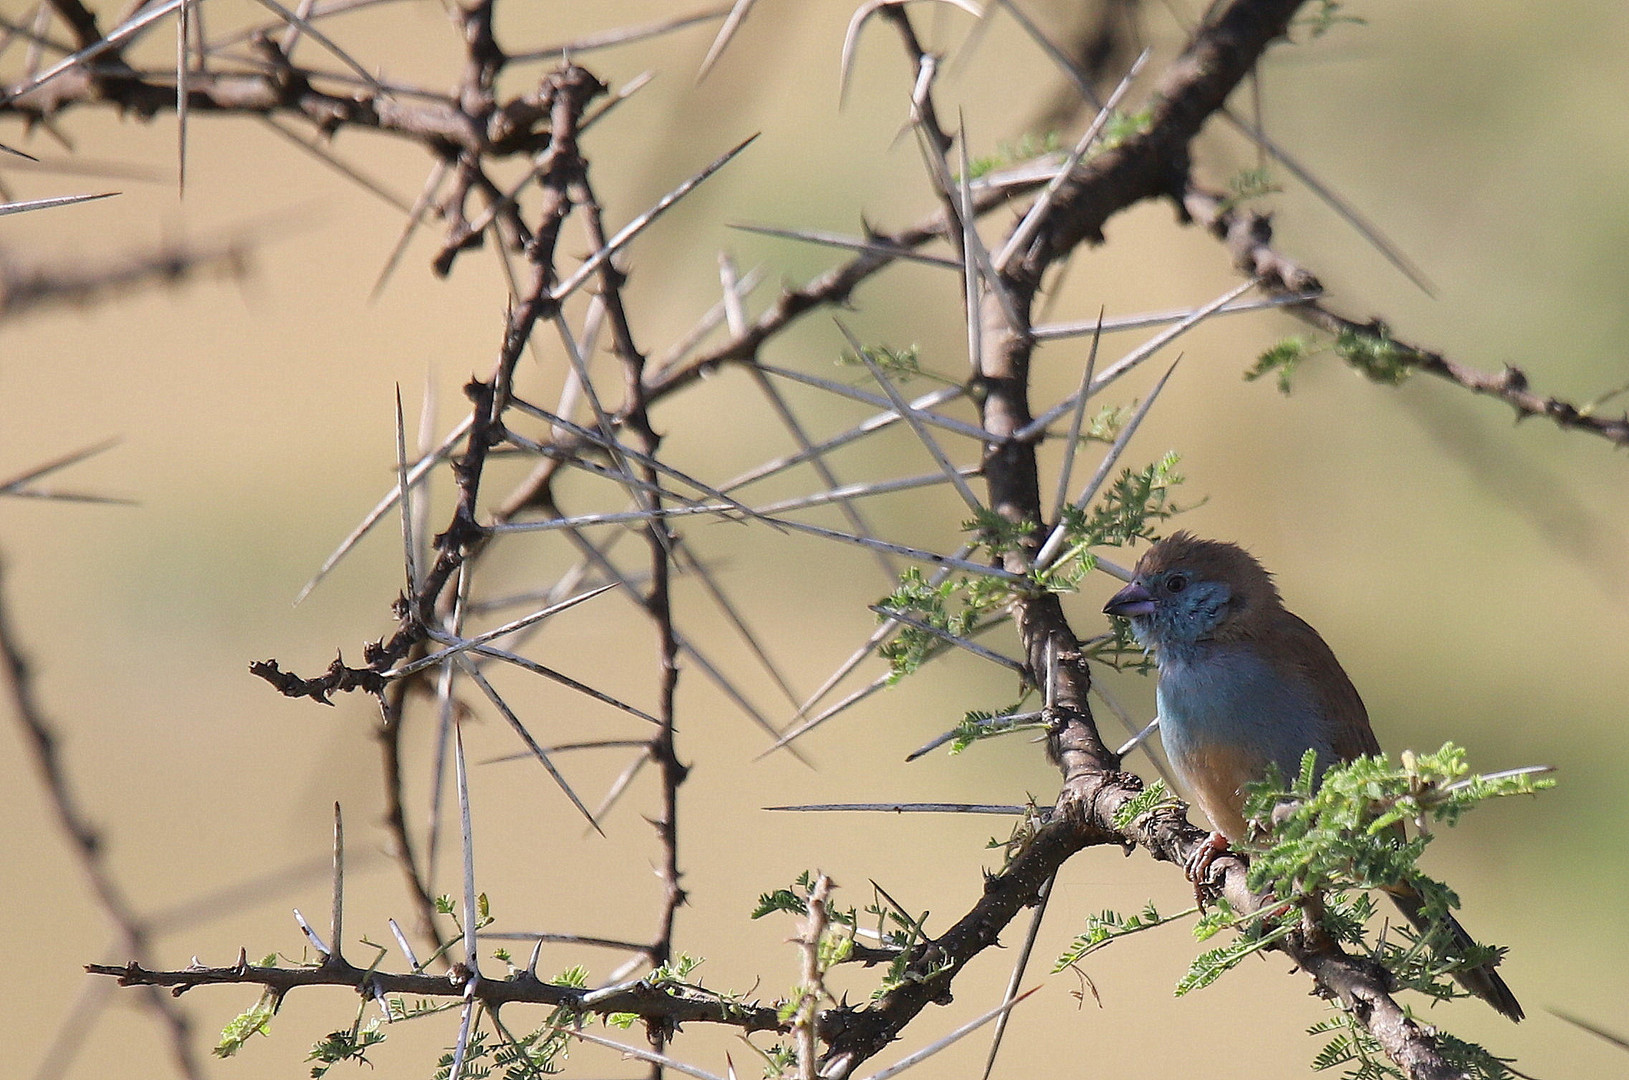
(1147, 165)
(658, 599)
(851, 1034)
(1248, 235)
(470, 128)
(26, 289)
(656, 1005)
(568, 92)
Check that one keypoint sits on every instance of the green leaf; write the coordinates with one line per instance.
(1127, 510)
(901, 365)
(475, 1053)
(1211, 965)
(576, 976)
(256, 1020)
(1027, 147)
(979, 724)
(1156, 796)
(1373, 352)
(1247, 184)
(1323, 841)
(1281, 359)
(349, 1045)
(1123, 126)
(1109, 926)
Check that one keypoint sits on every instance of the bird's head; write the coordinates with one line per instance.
(1187, 590)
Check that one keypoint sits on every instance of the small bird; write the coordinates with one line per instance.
(1243, 684)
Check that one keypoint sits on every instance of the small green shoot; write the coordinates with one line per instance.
(1156, 796)
(1282, 360)
(256, 1020)
(1110, 926)
(1027, 148)
(901, 365)
(1370, 350)
(351, 1045)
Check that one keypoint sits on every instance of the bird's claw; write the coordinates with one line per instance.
(1198, 866)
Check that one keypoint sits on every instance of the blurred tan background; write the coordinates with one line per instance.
(1471, 574)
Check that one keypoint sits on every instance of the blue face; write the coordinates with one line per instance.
(1186, 609)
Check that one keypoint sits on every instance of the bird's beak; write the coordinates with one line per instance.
(1130, 601)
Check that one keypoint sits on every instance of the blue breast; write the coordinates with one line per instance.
(1215, 696)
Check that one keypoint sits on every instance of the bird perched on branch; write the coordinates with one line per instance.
(1244, 684)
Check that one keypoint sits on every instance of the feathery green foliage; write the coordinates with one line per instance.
(475, 1065)
(539, 1053)
(1127, 510)
(1360, 1056)
(351, 1045)
(1026, 148)
(950, 606)
(1156, 796)
(1352, 1049)
(899, 930)
(901, 365)
(779, 1059)
(1256, 933)
(446, 905)
(1110, 926)
(1338, 832)
(895, 929)
(1328, 838)
(978, 724)
(1373, 352)
(792, 900)
(256, 1020)
(839, 939)
(1323, 842)
(1248, 184)
(1282, 359)
(959, 605)
(1124, 125)
(674, 973)
(1105, 425)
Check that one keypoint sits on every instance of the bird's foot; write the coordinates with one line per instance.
(1198, 866)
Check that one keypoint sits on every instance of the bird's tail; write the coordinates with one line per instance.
(1482, 981)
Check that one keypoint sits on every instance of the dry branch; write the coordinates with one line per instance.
(465, 132)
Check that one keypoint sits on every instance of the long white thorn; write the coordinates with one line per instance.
(1055, 540)
(592, 264)
(1025, 232)
(912, 418)
(1072, 445)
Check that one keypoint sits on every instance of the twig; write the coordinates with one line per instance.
(1249, 237)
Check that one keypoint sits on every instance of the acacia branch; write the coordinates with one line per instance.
(26, 289)
(1082, 818)
(1248, 236)
(1153, 163)
(657, 601)
(654, 1004)
(568, 91)
(470, 128)
(287, 90)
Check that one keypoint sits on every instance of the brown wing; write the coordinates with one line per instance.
(1351, 734)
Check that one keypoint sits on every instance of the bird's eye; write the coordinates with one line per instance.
(1176, 583)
